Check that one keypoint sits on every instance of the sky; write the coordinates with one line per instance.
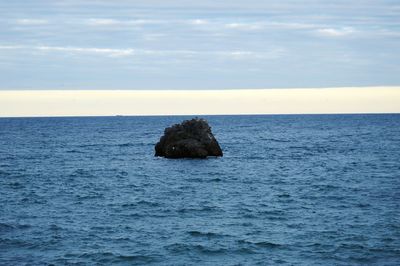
(202, 45)
(28, 103)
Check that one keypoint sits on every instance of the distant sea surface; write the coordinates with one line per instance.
(290, 190)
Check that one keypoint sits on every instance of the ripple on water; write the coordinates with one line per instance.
(6, 227)
(196, 233)
(260, 244)
(195, 248)
(105, 257)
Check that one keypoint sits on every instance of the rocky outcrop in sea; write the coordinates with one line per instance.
(190, 139)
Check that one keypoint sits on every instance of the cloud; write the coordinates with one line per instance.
(198, 22)
(212, 24)
(104, 51)
(115, 22)
(244, 26)
(332, 32)
(10, 47)
(268, 25)
(239, 55)
(247, 55)
(125, 52)
(102, 22)
(153, 36)
(31, 22)
(113, 52)
(292, 25)
(98, 22)
(217, 25)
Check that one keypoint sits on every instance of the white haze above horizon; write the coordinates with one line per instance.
(33, 103)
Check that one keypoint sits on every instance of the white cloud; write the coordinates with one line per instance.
(262, 25)
(124, 52)
(207, 24)
(292, 25)
(247, 55)
(31, 22)
(153, 36)
(99, 22)
(244, 26)
(102, 22)
(104, 51)
(187, 53)
(238, 55)
(198, 22)
(332, 32)
(10, 47)
(115, 22)
(112, 52)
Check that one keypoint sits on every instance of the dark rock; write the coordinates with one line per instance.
(190, 139)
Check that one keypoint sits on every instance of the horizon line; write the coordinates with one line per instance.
(196, 115)
(201, 89)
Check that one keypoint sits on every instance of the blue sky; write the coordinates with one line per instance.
(158, 44)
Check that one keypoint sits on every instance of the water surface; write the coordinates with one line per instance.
(290, 190)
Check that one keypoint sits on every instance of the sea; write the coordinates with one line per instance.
(289, 190)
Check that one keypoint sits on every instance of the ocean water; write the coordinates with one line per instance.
(290, 190)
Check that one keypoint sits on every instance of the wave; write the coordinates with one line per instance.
(82, 173)
(107, 257)
(4, 227)
(74, 151)
(198, 248)
(8, 243)
(204, 180)
(141, 203)
(276, 140)
(199, 209)
(196, 233)
(209, 250)
(262, 244)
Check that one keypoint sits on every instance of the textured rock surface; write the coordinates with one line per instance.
(190, 139)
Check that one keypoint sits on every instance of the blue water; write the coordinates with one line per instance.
(290, 190)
